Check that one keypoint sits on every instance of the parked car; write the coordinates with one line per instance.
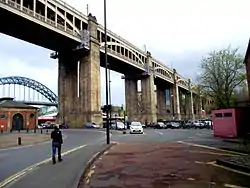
(136, 127)
(120, 125)
(47, 126)
(189, 124)
(198, 124)
(63, 126)
(92, 125)
(160, 125)
(175, 125)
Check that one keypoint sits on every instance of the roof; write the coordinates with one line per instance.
(8, 102)
(247, 52)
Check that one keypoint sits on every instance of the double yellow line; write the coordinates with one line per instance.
(20, 174)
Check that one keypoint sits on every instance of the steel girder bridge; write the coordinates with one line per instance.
(28, 91)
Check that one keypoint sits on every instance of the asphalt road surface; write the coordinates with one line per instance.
(17, 159)
(204, 136)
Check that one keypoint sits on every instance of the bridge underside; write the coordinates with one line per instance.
(34, 33)
(119, 66)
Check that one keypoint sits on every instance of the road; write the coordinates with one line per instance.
(199, 136)
(88, 143)
(16, 160)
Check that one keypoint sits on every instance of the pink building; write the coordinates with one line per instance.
(231, 122)
(247, 63)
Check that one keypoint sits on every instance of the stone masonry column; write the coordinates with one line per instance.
(148, 94)
(131, 98)
(161, 103)
(176, 95)
(89, 80)
(191, 101)
(67, 89)
(199, 103)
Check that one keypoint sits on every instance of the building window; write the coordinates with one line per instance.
(32, 115)
(218, 115)
(227, 114)
(2, 116)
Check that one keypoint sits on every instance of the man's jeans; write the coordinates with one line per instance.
(58, 146)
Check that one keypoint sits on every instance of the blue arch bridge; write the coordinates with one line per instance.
(30, 92)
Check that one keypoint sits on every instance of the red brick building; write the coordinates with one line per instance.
(247, 63)
(16, 115)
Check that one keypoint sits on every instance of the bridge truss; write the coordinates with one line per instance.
(27, 90)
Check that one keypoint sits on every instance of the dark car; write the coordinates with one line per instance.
(63, 126)
(47, 126)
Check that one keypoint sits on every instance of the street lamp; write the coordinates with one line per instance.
(106, 73)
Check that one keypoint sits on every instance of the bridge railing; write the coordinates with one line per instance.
(40, 17)
(71, 8)
(122, 39)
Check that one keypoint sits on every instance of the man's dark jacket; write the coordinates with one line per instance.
(56, 136)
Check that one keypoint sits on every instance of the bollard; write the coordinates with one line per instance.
(41, 131)
(2, 127)
(19, 130)
(35, 130)
(47, 131)
(27, 130)
(10, 130)
(19, 141)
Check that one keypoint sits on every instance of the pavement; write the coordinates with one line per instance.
(65, 174)
(162, 165)
(20, 158)
(11, 140)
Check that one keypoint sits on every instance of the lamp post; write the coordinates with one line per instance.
(106, 73)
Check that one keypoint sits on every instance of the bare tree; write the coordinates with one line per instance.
(221, 73)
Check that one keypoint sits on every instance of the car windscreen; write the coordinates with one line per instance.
(135, 124)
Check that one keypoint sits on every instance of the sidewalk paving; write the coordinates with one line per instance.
(61, 175)
(11, 139)
(237, 140)
(237, 162)
(161, 165)
(241, 148)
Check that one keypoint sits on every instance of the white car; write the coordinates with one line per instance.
(120, 125)
(136, 127)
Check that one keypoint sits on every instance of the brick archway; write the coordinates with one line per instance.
(17, 121)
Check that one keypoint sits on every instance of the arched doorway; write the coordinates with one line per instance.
(17, 122)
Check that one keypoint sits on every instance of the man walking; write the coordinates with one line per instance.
(57, 140)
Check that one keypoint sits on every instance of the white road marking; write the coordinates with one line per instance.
(209, 147)
(20, 174)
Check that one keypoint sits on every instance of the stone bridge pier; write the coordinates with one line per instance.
(163, 110)
(80, 102)
(131, 98)
(142, 106)
(175, 95)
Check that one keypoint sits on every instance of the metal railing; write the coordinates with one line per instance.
(66, 5)
(40, 17)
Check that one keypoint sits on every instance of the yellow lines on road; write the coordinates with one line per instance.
(209, 147)
(20, 174)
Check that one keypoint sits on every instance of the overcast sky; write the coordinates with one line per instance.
(176, 32)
